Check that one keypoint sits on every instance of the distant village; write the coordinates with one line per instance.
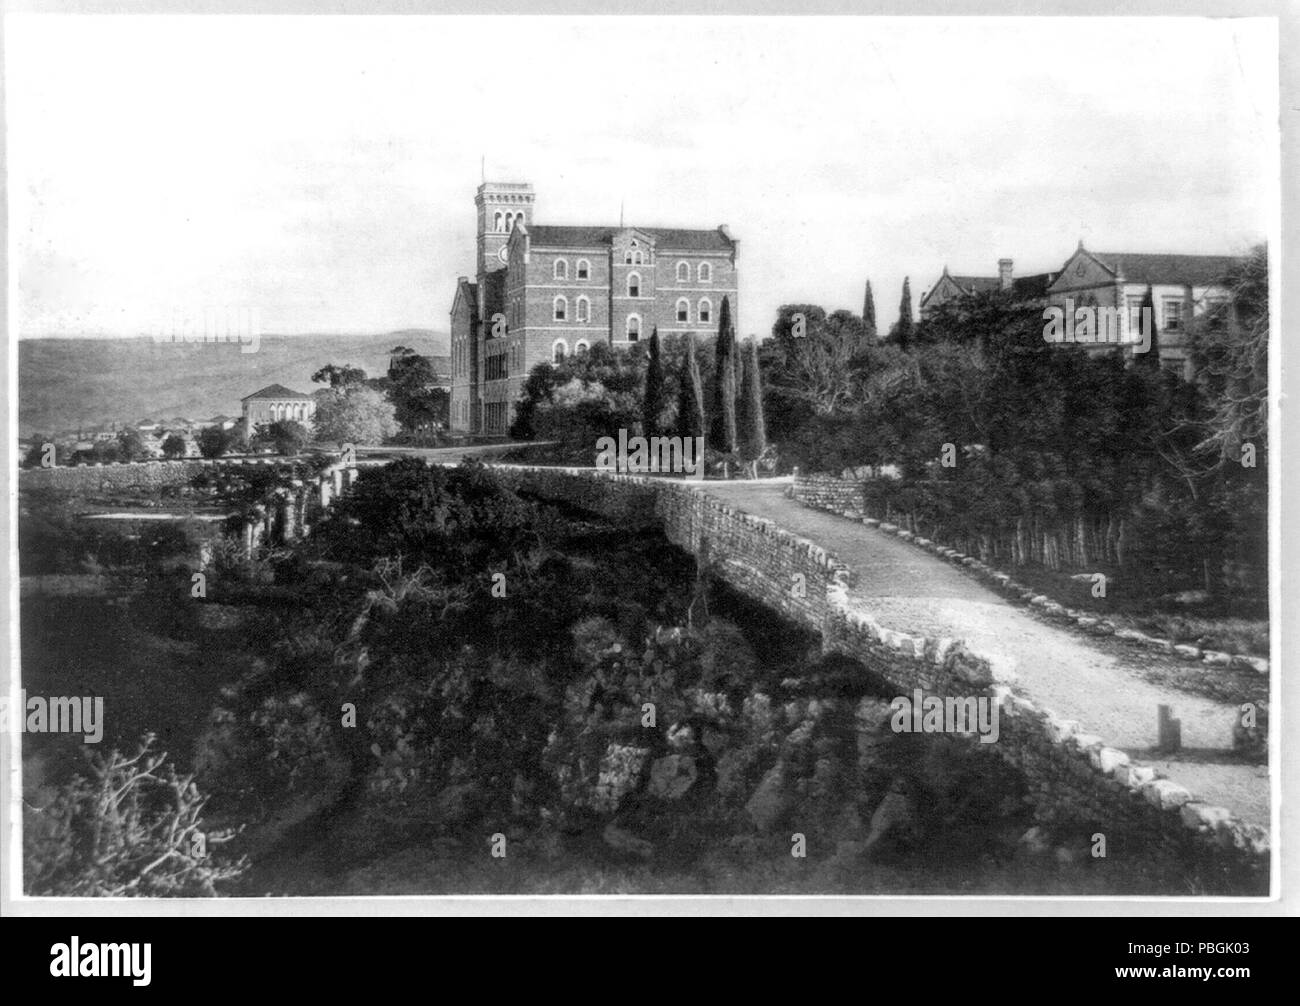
(257, 429)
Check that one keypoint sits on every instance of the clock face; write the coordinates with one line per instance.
(504, 253)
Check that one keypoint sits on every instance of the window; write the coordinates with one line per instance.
(580, 347)
(519, 218)
(633, 327)
(583, 310)
(683, 309)
(561, 308)
(584, 269)
(634, 284)
(497, 223)
(1173, 312)
(558, 350)
(561, 269)
(683, 272)
(638, 258)
(706, 311)
(706, 273)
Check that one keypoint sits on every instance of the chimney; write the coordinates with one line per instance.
(1004, 274)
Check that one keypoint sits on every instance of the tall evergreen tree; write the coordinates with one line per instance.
(868, 317)
(753, 424)
(723, 418)
(690, 396)
(1151, 358)
(652, 402)
(903, 330)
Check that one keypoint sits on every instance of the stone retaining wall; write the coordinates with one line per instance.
(1076, 780)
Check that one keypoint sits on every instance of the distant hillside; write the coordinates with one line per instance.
(66, 383)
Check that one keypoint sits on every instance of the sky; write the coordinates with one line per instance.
(319, 172)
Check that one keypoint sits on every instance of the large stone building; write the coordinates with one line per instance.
(542, 292)
(1115, 285)
(1181, 286)
(276, 402)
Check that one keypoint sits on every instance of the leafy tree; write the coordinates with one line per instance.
(583, 397)
(816, 369)
(653, 399)
(339, 377)
(357, 415)
(132, 445)
(285, 435)
(1229, 346)
(868, 317)
(412, 388)
(173, 446)
(214, 441)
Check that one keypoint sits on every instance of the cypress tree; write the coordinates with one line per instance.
(753, 422)
(652, 402)
(1151, 358)
(868, 317)
(690, 396)
(723, 432)
(904, 327)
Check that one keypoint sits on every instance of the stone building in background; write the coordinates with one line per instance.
(542, 292)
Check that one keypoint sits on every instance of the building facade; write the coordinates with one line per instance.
(274, 403)
(542, 292)
(1181, 286)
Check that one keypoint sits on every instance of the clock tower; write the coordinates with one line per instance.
(500, 206)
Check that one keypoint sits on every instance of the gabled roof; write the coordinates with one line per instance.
(279, 392)
(976, 284)
(667, 238)
(1176, 270)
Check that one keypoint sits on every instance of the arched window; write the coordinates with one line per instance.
(558, 350)
(497, 224)
(706, 273)
(706, 311)
(582, 310)
(561, 308)
(634, 284)
(683, 309)
(627, 257)
(580, 347)
(561, 269)
(519, 218)
(584, 269)
(638, 258)
(683, 272)
(633, 327)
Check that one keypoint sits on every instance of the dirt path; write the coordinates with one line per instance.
(1097, 682)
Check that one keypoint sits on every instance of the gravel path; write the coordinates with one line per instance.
(1096, 682)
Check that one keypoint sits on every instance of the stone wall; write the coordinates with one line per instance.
(140, 476)
(1075, 779)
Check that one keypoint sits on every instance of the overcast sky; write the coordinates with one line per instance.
(322, 170)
